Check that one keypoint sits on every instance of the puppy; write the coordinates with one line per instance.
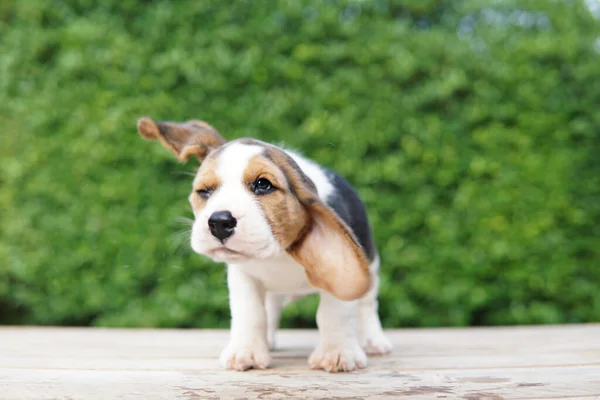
(285, 226)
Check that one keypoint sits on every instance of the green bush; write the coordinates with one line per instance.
(469, 128)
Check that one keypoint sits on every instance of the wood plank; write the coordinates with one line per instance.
(545, 362)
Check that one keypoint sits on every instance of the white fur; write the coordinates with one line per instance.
(253, 237)
(261, 276)
(312, 170)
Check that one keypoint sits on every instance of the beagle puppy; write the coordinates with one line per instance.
(286, 227)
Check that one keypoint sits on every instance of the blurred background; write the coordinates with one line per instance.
(470, 128)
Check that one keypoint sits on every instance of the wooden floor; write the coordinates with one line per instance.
(488, 363)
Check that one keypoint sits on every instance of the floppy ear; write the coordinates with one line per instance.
(327, 248)
(185, 139)
(331, 256)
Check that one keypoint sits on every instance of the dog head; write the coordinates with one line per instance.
(252, 201)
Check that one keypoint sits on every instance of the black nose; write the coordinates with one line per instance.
(221, 224)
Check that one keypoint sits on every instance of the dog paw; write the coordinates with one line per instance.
(244, 357)
(376, 344)
(338, 358)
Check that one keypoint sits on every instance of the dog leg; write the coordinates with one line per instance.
(274, 305)
(372, 338)
(338, 349)
(248, 344)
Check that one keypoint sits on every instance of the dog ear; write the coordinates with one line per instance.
(185, 139)
(331, 256)
(327, 249)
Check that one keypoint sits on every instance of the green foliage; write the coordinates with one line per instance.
(471, 129)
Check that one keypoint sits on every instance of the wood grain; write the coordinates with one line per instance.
(545, 362)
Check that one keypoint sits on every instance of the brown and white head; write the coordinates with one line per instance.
(252, 200)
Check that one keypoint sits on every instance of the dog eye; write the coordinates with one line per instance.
(263, 186)
(204, 193)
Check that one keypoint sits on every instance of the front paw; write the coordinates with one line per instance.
(338, 358)
(243, 357)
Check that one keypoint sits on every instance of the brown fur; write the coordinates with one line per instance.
(326, 246)
(284, 213)
(191, 138)
(206, 178)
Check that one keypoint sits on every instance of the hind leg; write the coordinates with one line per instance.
(372, 338)
(273, 305)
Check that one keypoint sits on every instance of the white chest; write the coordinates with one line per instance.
(279, 275)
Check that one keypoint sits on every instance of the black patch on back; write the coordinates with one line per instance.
(347, 204)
